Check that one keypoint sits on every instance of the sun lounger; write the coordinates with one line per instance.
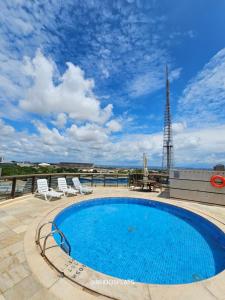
(44, 190)
(82, 189)
(63, 187)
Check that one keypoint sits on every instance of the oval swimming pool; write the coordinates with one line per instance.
(143, 240)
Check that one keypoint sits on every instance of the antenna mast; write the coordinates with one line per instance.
(167, 160)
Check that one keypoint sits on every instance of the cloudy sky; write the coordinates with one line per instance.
(84, 80)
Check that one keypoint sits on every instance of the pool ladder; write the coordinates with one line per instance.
(64, 244)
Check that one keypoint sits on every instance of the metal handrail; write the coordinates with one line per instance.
(38, 232)
(63, 241)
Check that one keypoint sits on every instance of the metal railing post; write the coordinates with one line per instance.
(50, 181)
(13, 190)
(33, 184)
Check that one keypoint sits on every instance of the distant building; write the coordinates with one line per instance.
(105, 170)
(43, 165)
(25, 164)
(75, 165)
(219, 167)
(1, 159)
(87, 170)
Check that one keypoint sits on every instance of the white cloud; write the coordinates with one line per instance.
(152, 81)
(200, 146)
(203, 100)
(114, 125)
(131, 147)
(88, 133)
(8, 87)
(146, 83)
(60, 120)
(92, 142)
(200, 127)
(72, 95)
(5, 129)
(20, 26)
(175, 74)
(49, 137)
(179, 127)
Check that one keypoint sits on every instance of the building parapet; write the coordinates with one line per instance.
(195, 185)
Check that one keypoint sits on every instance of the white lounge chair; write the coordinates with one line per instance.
(135, 188)
(63, 187)
(44, 190)
(81, 188)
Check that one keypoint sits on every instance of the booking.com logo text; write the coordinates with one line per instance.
(112, 282)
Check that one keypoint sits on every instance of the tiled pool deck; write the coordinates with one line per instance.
(19, 218)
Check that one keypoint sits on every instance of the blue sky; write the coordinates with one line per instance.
(84, 80)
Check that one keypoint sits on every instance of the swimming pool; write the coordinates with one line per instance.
(143, 240)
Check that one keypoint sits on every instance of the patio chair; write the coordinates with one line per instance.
(135, 188)
(81, 188)
(44, 190)
(63, 187)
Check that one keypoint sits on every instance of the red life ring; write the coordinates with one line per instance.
(215, 184)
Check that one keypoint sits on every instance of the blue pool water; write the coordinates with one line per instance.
(142, 240)
(106, 181)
